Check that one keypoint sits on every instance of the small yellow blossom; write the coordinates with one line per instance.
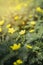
(11, 30)
(29, 46)
(19, 61)
(32, 22)
(1, 22)
(22, 32)
(32, 30)
(14, 63)
(38, 9)
(16, 46)
(8, 26)
(0, 29)
(16, 17)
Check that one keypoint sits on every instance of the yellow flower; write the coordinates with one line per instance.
(8, 26)
(16, 46)
(11, 30)
(1, 22)
(19, 61)
(14, 63)
(32, 22)
(32, 30)
(0, 29)
(22, 32)
(38, 9)
(29, 46)
(16, 17)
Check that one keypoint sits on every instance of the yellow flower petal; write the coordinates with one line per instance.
(38, 9)
(19, 61)
(8, 26)
(1, 22)
(11, 30)
(16, 17)
(32, 22)
(16, 46)
(31, 30)
(14, 63)
(29, 46)
(22, 32)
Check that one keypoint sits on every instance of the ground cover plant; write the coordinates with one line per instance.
(21, 35)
